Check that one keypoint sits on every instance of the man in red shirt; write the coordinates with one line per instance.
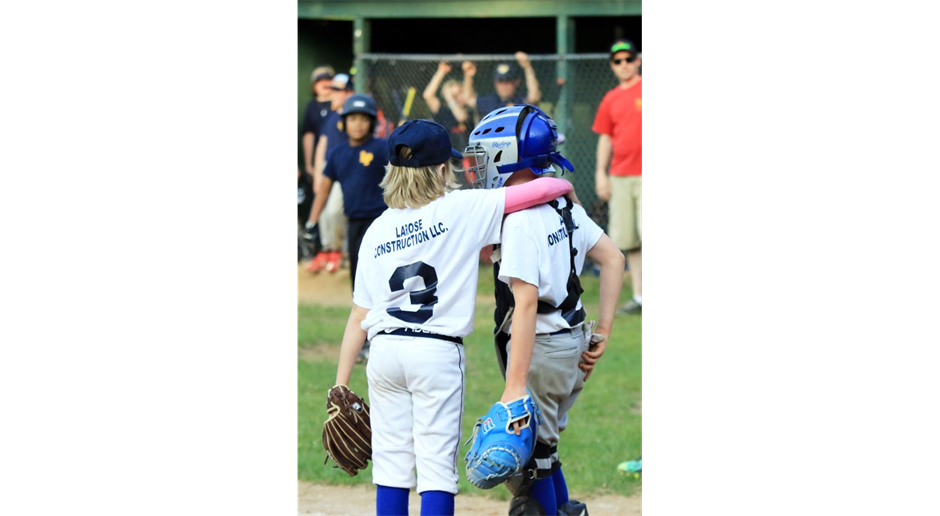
(619, 122)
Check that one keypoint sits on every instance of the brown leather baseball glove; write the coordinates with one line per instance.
(347, 433)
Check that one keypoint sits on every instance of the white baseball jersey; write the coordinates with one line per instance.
(418, 267)
(535, 250)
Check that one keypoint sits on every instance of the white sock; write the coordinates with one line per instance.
(638, 299)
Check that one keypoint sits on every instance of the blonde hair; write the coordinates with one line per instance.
(449, 83)
(411, 187)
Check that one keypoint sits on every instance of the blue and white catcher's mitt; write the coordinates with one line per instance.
(497, 452)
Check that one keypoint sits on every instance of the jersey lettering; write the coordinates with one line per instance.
(425, 297)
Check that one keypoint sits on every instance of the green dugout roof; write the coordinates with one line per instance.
(352, 9)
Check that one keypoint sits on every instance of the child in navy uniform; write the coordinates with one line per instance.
(359, 166)
(332, 222)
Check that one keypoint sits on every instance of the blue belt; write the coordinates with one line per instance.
(411, 333)
(566, 330)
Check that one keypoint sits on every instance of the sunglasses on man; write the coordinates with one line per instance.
(627, 59)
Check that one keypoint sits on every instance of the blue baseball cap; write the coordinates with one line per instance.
(428, 141)
(506, 72)
(360, 103)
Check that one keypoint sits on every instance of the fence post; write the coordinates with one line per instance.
(362, 32)
(564, 42)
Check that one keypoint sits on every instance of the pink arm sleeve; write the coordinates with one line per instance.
(535, 192)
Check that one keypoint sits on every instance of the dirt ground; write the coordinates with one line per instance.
(327, 289)
(324, 288)
(324, 500)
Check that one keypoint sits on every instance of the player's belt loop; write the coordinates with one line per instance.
(411, 333)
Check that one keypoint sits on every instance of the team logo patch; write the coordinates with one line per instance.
(365, 157)
(339, 126)
(639, 104)
(502, 69)
(488, 425)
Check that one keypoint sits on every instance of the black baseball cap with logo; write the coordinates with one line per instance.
(506, 72)
(428, 141)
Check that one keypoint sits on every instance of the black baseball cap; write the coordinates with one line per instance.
(623, 45)
(428, 141)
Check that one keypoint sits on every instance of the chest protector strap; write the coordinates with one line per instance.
(569, 306)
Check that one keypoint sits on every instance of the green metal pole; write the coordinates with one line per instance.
(362, 32)
(564, 43)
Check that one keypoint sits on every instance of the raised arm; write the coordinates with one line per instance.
(606, 254)
(469, 94)
(534, 94)
(353, 339)
(537, 191)
(430, 93)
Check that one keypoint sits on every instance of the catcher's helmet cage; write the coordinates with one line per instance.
(510, 139)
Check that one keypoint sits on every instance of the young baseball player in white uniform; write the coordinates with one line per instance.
(414, 300)
(540, 258)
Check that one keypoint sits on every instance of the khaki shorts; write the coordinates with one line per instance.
(332, 220)
(626, 210)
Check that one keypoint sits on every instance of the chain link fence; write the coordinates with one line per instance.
(571, 87)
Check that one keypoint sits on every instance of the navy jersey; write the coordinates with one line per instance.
(359, 171)
(488, 103)
(331, 129)
(313, 118)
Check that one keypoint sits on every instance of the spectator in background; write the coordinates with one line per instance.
(619, 122)
(359, 166)
(506, 84)
(332, 221)
(454, 116)
(317, 110)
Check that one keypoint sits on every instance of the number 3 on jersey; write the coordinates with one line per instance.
(425, 298)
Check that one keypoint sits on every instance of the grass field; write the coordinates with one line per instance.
(604, 425)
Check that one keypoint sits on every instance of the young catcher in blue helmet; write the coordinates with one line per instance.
(538, 291)
(414, 298)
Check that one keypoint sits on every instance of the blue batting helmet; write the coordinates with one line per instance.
(360, 103)
(510, 139)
